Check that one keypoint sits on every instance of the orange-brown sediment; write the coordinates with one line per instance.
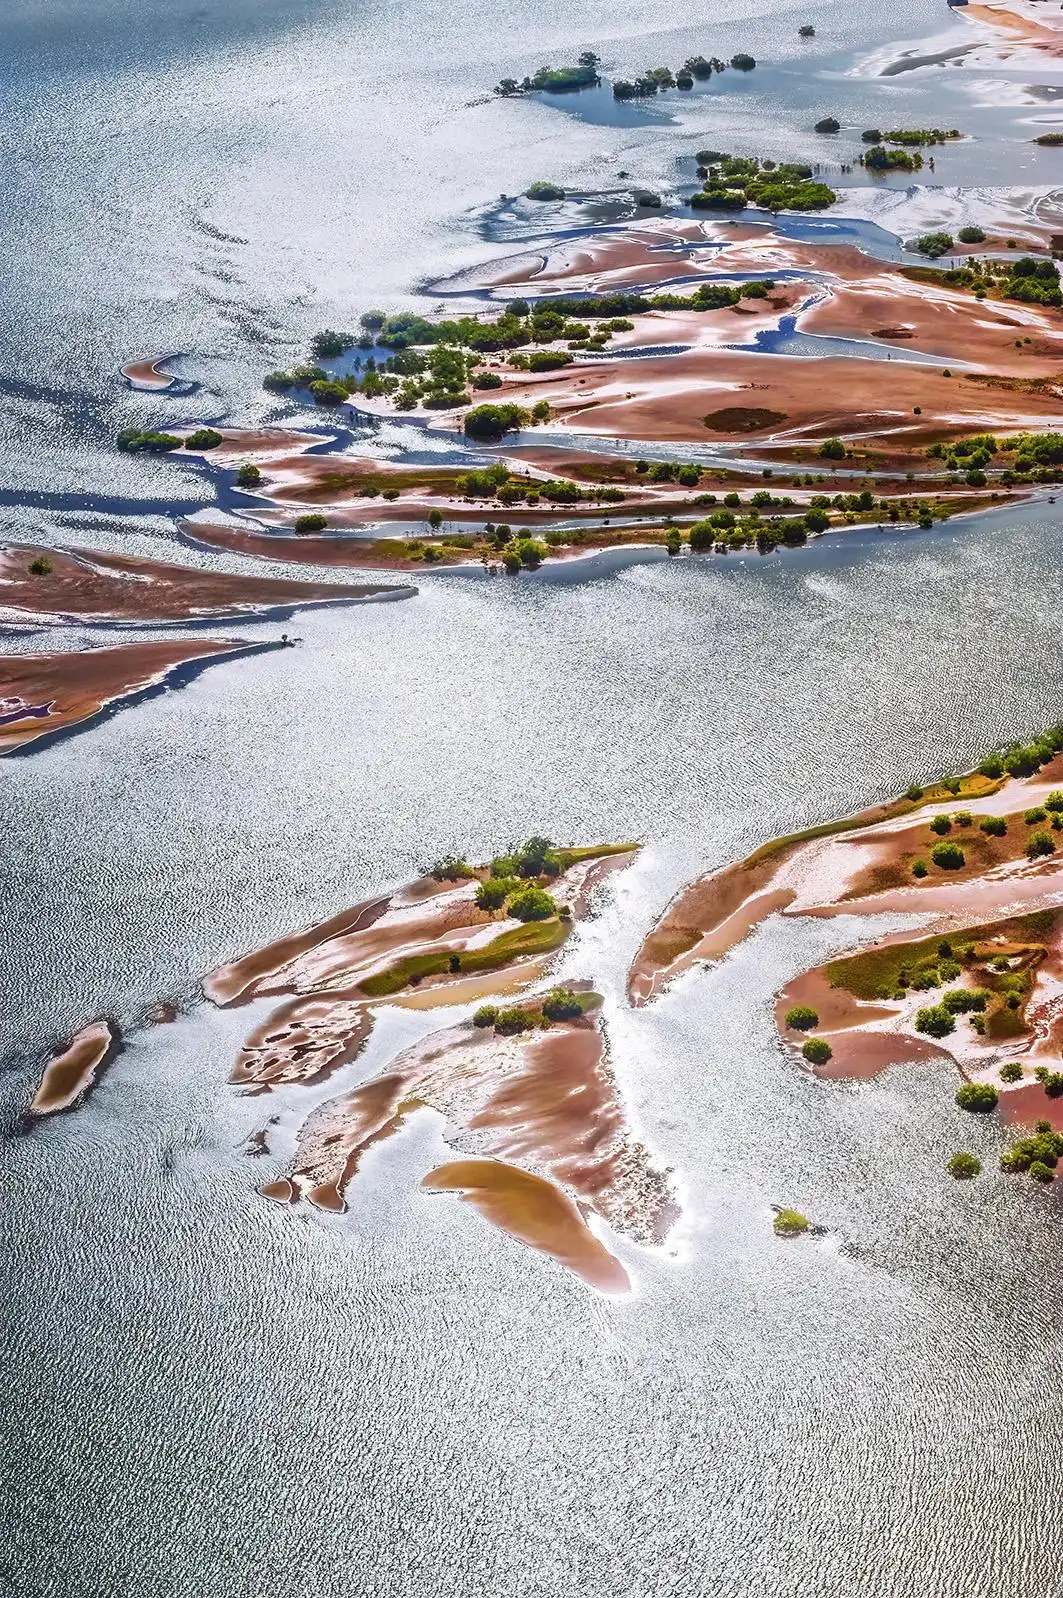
(537, 1212)
(70, 1075)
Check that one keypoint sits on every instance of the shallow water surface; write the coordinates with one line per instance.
(280, 1396)
(210, 1394)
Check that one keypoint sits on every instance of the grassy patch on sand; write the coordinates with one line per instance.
(877, 973)
(533, 938)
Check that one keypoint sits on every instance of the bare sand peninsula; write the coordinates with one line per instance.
(45, 695)
(71, 1074)
(98, 586)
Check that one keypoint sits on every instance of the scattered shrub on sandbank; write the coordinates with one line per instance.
(980, 1098)
(817, 1051)
(964, 1166)
(802, 1018)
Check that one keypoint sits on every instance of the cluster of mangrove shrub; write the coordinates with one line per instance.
(695, 67)
(1022, 760)
(879, 158)
(544, 190)
(994, 1007)
(1049, 139)
(731, 182)
(1029, 457)
(40, 566)
(934, 245)
(560, 1004)
(1037, 1155)
(135, 440)
(431, 364)
(910, 136)
(249, 475)
(555, 80)
(723, 531)
(585, 74)
(515, 882)
(963, 1166)
(500, 483)
(1032, 280)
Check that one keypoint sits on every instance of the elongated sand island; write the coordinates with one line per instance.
(71, 1073)
(49, 695)
(524, 1084)
(979, 859)
(98, 585)
(782, 386)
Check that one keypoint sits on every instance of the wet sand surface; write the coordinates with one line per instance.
(109, 587)
(71, 1074)
(73, 686)
(535, 1211)
(545, 1103)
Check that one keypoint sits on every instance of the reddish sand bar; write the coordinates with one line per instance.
(41, 695)
(147, 374)
(72, 1073)
(535, 1211)
(100, 586)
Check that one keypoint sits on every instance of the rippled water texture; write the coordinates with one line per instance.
(211, 1394)
(205, 1394)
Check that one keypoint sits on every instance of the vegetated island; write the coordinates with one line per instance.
(524, 1083)
(586, 74)
(979, 856)
(609, 346)
(42, 696)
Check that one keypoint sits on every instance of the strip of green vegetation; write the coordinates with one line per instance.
(910, 136)
(927, 963)
(1031, 280)
(601, 851)
(534, 938)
